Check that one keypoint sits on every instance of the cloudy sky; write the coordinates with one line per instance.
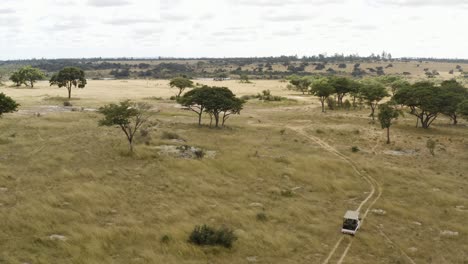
(230, 28)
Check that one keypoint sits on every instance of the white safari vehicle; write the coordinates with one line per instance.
(351, 223)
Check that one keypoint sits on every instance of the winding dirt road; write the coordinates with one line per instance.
(341, 249)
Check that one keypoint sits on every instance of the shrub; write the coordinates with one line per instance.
(355, 149)
(331, 103)
(208, 236)
(248, 97)
(431, 144)
(165, 239)
(199, 153)
(286, 193)
(67, 103)
(262, 217)
(173, 98)
(267, 96)
(347, 104)
(170, 135)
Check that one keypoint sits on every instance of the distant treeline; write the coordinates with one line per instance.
(260, 67)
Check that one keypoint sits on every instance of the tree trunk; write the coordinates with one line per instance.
(69, 92)
(455, 121)
(130, 142)
(216, 116)
(388, 135)
(372, 111)
(323, 105)
(199, 118)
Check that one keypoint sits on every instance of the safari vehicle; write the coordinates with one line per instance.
(351, 223)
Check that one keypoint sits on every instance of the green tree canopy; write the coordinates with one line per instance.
(322, 89)
(342, 86)
(7, 105)
(453, 93)
(69, 77)
(219, 102)
(301, 84)
(17, 78)
(196, 100)
(181, 83)
(373, 92)
(31, 75)
(129, 116)
(463, 109)
(425, 100)
(387, 113)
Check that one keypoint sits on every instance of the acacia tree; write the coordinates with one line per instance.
(16, 78)
(232, 107)
(453, 93)
(31, 75)
(7, 105)
(397, 85)
(69, 77)
(195, 100)
(342, 86)
(127, 115)
(27, 76)
(181, 83)
(424, 99)
(322, 89)
(244, 78)
(221, 100)
(373, 93)
(463, 109)
(387, 113)
(300, 84)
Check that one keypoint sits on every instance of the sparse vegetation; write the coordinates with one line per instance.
(128, 116)
(208, 236)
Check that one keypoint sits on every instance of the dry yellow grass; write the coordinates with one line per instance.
(62, 174)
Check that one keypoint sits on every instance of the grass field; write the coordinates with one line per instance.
(70, 192)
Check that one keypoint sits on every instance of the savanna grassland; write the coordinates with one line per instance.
(71, 193)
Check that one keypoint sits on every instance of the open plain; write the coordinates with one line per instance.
(281, 175)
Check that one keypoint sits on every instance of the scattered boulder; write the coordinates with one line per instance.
(378, 211)
(251, 259)
(417, 223)
(449, 233)
(412, 249)
(185, 152)
(58, 237)
(3, 189)
(256, 205)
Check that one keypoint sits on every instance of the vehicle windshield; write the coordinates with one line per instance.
(350, 224)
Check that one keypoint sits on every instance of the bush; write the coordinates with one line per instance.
(262, 217)
(170, 135)
(199, 153)
(67, 103)
(172, 98)
(347, 104)
(208, 236)
(165, 239)
(248, 97)
(354, 149)
(331, 103)
(267, 96)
